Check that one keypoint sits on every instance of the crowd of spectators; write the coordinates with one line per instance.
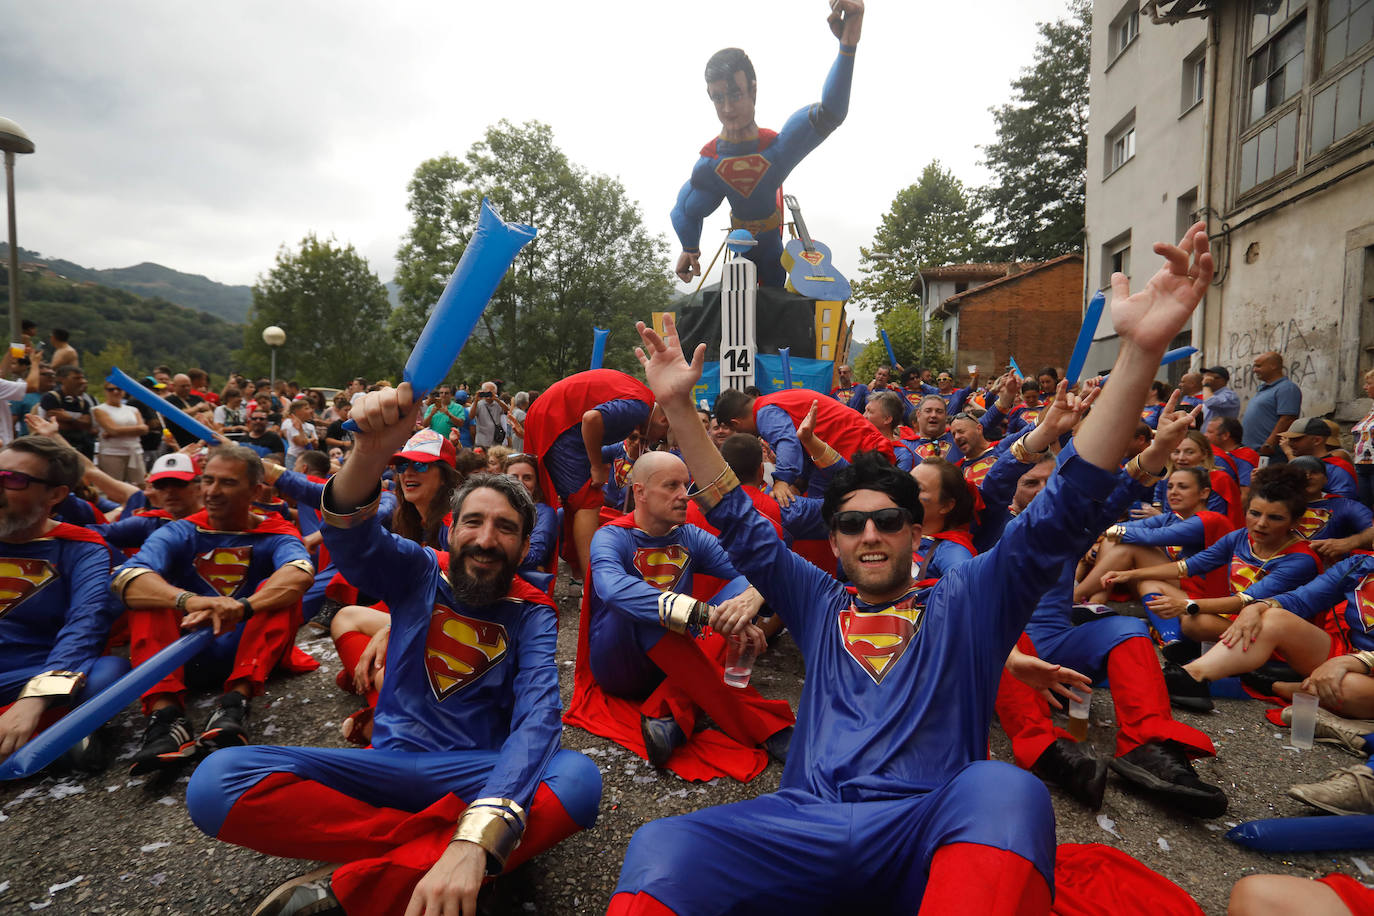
(250, 534)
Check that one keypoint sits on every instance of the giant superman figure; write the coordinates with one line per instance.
(746, 164)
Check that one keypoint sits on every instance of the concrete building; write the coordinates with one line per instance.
(1031, 315)
(935, 285)
(1146, 109)
(1282, 171)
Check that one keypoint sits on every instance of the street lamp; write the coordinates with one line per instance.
(274, 337)
(13, 140)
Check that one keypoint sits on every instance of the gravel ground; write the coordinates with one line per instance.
(110, 844)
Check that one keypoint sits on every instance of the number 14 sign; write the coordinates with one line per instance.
(737, 348)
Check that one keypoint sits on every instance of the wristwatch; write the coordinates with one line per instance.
(1191, 609)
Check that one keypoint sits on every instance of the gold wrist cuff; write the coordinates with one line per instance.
(1273, 603)
(1368, 658)
(495, 824)
(1138, 473)
(709, 496)
(351, 519)
(1182, 569)
(121, 581)
(1025, 455)
(682, 613)
(1115, 531)
(828, 457)
(1245, 598)
(271, 471)
(56, 684)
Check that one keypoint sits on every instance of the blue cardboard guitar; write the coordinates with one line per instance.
(807, 261)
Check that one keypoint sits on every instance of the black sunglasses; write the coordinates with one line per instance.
(18, 480)
(888, 521)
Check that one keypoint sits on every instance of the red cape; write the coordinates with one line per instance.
(704, 586)
(155, 513)
(561, 406)
(1224, 484)
(1340, 462)
(1091, 879)
(843, 429)
(707, 754)
(69, 532)
(766, 138)
(1248, 455)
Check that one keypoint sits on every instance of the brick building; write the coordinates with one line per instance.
(1032, 315)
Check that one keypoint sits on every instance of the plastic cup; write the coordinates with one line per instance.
(1304, 720)
(16, 351)
(739, 661)
(1078, 718)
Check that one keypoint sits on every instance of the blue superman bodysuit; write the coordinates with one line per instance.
(749, 174)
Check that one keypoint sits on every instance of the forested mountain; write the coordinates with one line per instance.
(153, 280)
(133, 331)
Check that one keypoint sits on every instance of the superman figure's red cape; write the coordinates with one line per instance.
(707, 754)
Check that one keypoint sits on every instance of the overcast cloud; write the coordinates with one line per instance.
(203, 137)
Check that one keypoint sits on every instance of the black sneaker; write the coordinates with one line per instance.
(308, 895)
(1181, 651)
(89, 755)
(1087, 613)
(661, 738)
(1075, 769)
(778, 744)
(228, 723)
(168, 742)
(1260, 685)
(1163, 769)
(1185, 691)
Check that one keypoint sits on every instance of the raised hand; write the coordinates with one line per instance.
(666, 368)
(1152, 317)
(846, 20)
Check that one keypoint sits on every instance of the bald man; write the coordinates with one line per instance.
(183, 398)
(1276, 403)
(643, 622)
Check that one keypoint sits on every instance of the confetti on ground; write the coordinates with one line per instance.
(167, 800)
(4, 886)
(40, 906)
(64, 885)
(1361, 864)
(1108, 825)
(152, 847)
(1163, 844)
(65, 789)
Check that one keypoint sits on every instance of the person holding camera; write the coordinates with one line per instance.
(487, 414)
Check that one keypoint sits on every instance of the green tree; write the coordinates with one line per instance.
(931, 223)
(334, 311)
(98, 365)
(903, 327)
(1040, 158)
(593, 263)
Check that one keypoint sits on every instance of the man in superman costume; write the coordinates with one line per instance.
(1153, 750)
(244, 574)
(466, 731)
(566, 428)
(55, 607)
(642, 679)
(774, 418)
(887, 796)
(747, 164)
(175, 478)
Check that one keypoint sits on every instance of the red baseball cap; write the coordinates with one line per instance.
(427, 445)
(176, 466)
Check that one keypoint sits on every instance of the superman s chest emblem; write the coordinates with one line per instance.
(877, 640)
(1364, 600)
(460, 649)
(21, 579)
(662, 567)
(1312, 521)
(1244, 575)
(622, 468)
(742, 174)
(224, 568)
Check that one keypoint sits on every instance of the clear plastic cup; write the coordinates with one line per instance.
(1078, 718)
(17, 350)
(1304, 720)
(739, 661)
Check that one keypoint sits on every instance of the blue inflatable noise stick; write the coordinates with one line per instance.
(101, 708)
(134, 389)
(891, 357)
(485, 260)
(786, 354)
(1085, 337)
(1174, 356)
(599, 346)
(1306, 834)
